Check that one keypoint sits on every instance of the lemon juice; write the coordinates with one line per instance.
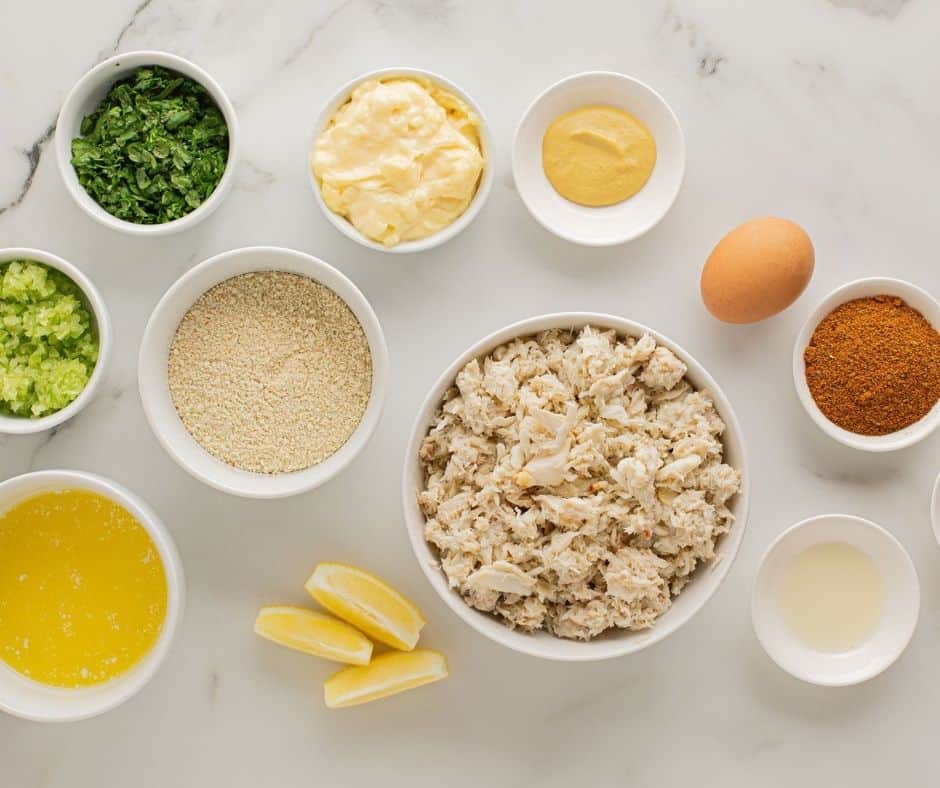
(832, 597)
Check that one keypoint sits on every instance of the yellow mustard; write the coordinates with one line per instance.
(400, 160)
(598, 155)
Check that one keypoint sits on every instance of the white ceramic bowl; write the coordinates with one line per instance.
(25, 698)
(614, 643)
(84, 99)
(613, 224)
(462, 222)
(920, 300)
(12, 425)
(155, 392)
(891, 636)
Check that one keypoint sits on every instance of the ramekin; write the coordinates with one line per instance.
(611, 224)
(21, 425)
(891, 634)
(84, 99)
(23, 697)
(916, 298)
(457, 226)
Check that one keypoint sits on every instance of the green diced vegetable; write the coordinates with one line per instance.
(154, 149)
(48, 344)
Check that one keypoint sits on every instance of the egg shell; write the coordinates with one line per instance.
(757, 270)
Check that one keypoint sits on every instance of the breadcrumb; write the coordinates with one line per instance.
(270, 372)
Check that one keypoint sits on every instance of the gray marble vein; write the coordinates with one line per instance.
(314, 31)
(42, 443)
(884, 8)
(133, 20)
(35, 151)
(708, 65)
(33, 154)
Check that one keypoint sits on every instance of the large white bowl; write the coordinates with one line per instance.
(920, 300)
(891, 635)
(14, 425)
(31, 700)
(613, 643)
(155, 392)
(84, 99)
(462, 222)
(613, 224)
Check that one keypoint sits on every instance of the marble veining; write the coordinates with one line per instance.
(887, 8)
(708, 65)
(823, 111)
(319, 27)
(32, 154)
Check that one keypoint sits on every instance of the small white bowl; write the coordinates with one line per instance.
(462, 222)
(13, 425)
(613, 643)
(916, 298)
(613, 224)
(891, 636)
(84, 99)
(23, 697)
(155, 392)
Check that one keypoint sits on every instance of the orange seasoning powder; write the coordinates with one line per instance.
(873, 365)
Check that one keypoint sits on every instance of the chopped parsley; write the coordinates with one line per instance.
(154, 149)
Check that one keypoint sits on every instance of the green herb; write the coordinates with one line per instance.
(155, 148)
(48, 345)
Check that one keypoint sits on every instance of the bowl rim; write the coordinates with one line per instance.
(102, 75)
(139, 675)
(542, 646)
(807, 675)
(633, 234)
(907, 436)
(320, 271)
(21, 425)
(461, 222)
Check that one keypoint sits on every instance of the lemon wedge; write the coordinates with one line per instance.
(368, 603)
(313, 633)
(387, 674)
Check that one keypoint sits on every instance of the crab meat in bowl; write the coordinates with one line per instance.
(573, 482)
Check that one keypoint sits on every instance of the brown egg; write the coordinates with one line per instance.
(757, 270)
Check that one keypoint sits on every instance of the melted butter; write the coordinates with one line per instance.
(831, 597)
(598, 155)
(83, 591)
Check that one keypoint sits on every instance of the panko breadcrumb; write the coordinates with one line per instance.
(270, 372)
(574, 481)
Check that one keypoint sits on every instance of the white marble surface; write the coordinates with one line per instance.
(825, 112)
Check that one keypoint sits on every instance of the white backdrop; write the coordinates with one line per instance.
(824, 112)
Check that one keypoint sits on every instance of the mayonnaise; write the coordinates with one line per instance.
(401, 160)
